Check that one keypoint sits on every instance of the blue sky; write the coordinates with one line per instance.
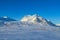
(49, 9)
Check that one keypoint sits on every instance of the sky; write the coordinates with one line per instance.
(49, 9)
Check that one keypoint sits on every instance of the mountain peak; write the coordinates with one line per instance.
(36, 19)
(5, 17)
(32, 18)
(36, 15)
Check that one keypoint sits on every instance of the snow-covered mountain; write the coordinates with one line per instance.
(36, 19)
(29, 28)
(6, 18)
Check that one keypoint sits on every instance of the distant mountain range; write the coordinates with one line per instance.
(35, 19)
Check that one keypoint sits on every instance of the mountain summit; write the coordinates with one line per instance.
(33, 18)
(36, 19)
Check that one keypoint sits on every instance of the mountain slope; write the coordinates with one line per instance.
(36, 19)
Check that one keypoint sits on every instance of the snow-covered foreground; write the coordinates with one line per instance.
(29, 31)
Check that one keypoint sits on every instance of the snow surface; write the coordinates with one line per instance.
(28, 31)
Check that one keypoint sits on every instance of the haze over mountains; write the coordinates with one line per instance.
(30, 27)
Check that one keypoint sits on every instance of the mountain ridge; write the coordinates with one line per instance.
(36, 19)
